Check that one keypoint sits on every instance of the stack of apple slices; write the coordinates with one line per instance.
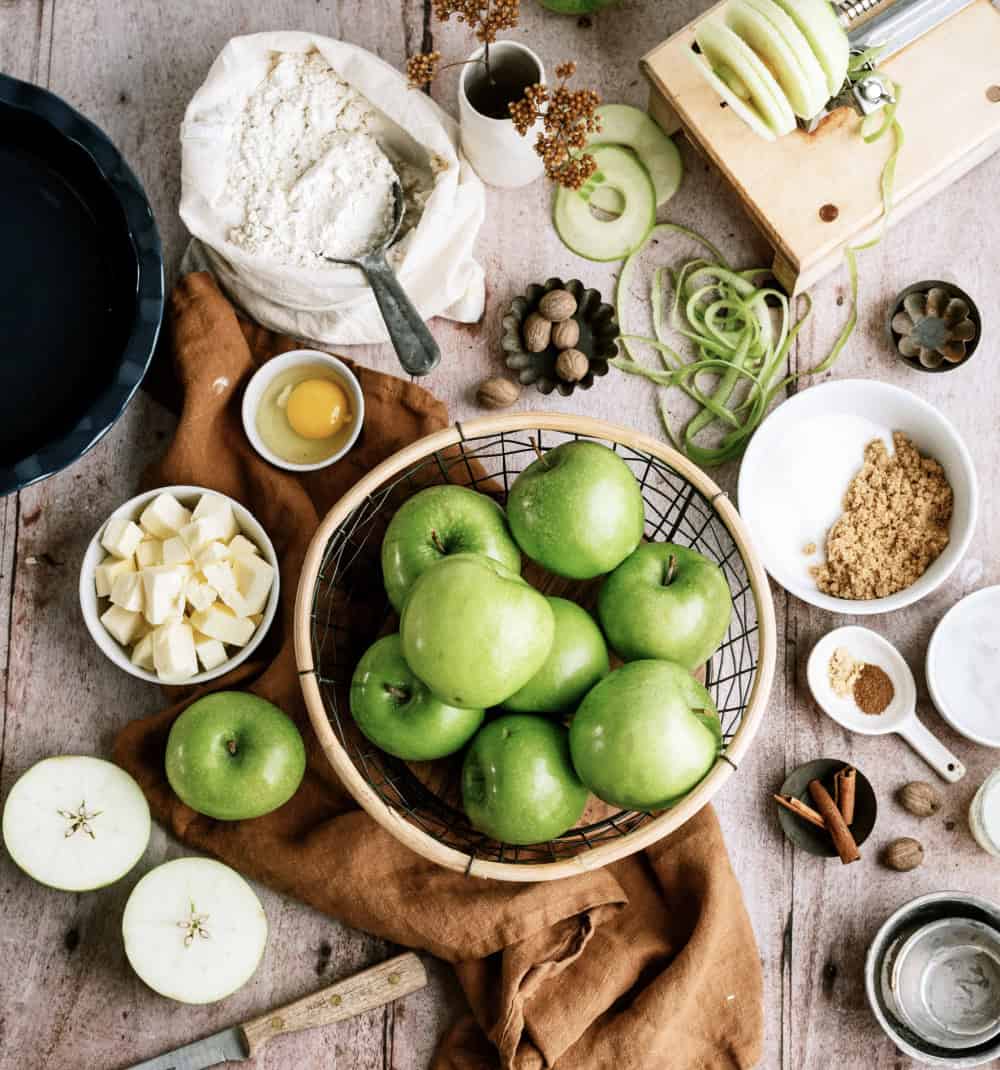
(773, 60)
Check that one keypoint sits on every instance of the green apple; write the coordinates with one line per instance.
(665, 601)
(577, 660)
(474, 631)
(645, 735)
(436, 522)
(518, 784)
(577, 510)
(233, 756)
(398, 713)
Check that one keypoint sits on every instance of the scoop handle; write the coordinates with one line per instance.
(932, 750)
(413, 342)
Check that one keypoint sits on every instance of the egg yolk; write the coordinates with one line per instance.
(317, 408)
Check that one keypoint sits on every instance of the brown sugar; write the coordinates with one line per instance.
(894, 524)
(873, 690)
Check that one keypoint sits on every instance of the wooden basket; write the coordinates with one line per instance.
(341, 609)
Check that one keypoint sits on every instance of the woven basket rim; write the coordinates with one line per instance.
(651, 831)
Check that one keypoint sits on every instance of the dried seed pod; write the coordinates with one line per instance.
(920, 798)
(565, 335)
(904, 854)
(572, 365)
(557, 305)
(497, 393)
(537, 332)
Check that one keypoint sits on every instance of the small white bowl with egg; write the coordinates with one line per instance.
(145, 591)
(804, 455)
(303, 391)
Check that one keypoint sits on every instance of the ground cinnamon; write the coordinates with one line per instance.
(873, 690)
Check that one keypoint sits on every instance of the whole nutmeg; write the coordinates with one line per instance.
(904, 854)
(497, 393)
(557, 305)
(920, 798)
(572, 365)
(537, 331)
(565, 335)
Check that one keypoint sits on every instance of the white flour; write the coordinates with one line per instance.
(305, 170)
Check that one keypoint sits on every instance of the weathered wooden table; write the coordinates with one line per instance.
(67, 996)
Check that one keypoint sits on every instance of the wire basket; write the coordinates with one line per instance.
(342, 608)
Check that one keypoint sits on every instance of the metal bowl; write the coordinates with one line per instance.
(932, 976)
(82, 279)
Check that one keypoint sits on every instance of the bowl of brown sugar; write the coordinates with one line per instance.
(860, 496)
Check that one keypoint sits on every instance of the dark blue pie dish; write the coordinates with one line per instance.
(81, 284)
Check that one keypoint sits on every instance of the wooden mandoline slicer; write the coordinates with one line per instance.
(814, 191)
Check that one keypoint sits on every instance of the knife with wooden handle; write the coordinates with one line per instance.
(354, 995)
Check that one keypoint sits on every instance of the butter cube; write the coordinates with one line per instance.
(223, 579)
(123, 624)
(211, 653)
(210, 554)
(142, 653)
(126, 591)
(175, 551)
(220, 622)
(121, 537)
(149, 552)
(241, 546)
(164, 591)
(216, 509)
(199, 594)
(108, 570)
(173, 651)
(254, 578)
(164, 516)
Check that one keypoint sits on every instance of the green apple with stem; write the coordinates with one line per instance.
(438, 521)
(232, 756)
(474, 631)
(645, 735)
(666, 601)
(518, 783)
(398, 713)
(577, 660)
(577, 510)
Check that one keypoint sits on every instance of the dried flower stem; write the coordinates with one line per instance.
(568, 119)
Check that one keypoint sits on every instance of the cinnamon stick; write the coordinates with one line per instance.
(845, 785)
(843, 841)
(800, 809)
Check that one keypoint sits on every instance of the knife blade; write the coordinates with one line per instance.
(228, 1046)
(374, 987)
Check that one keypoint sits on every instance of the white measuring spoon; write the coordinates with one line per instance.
(900, 715)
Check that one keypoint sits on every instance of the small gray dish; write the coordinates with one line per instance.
(807, 837)
(916, 346)
(598, 331)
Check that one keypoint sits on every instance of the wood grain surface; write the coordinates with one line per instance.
(67, 997)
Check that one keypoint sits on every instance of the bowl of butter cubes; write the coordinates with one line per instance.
(179, 585)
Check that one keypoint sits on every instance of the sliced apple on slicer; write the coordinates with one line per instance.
(194, 930)
(822, 29)
(742, 80)
(76, 823)
(780, 44)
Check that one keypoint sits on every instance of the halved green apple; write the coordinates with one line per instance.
(826, 37)
(782, 47)
(742, 80)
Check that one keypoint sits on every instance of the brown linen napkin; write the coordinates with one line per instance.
(649, 963)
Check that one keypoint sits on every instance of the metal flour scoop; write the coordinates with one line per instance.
(414, 344)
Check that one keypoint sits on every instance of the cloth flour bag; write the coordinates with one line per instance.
(328, 303)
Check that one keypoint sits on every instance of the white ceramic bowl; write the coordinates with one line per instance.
(92, 606)
(263, 378)
(798, 465)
